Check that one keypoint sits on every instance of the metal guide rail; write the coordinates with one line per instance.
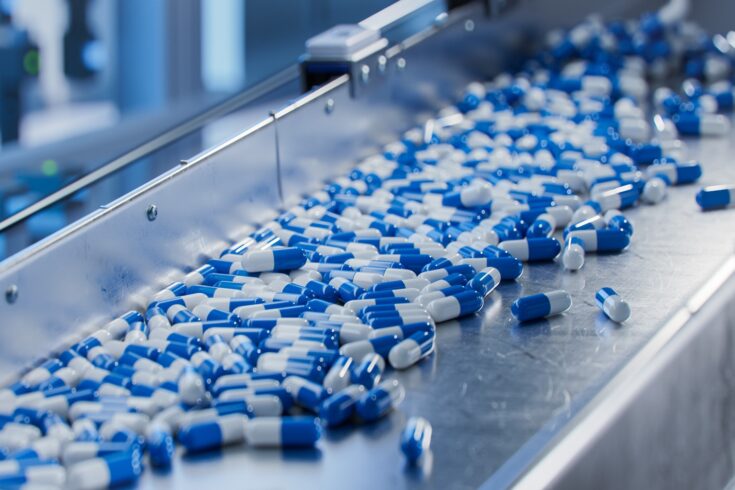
(500, 396)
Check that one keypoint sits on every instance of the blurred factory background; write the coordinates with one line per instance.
(87, 83)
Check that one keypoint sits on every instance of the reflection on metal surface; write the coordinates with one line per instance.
(148, 147)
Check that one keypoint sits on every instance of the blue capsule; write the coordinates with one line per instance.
(416, 439)
(485, 281)
(305, 393)
(111, 470)
(605, 241)
(614, 307)
(716, 197)
(541, 305)
(532, 249)
(281, 259)
(369, 371)
(380, 400)
(213, 434)
(340, 406)
(283, 432)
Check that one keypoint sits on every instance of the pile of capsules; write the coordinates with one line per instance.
(292, 329)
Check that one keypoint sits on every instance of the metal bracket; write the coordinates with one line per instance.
(344, 49)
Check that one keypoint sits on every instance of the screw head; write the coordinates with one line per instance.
(11, 294)
(469, 25)
(382, 63)
(401, 63)
(329, 106)
(365, 73)
(152, 212)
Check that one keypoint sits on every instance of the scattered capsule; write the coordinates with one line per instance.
(450, 307)
(411, 350)
(716, 197)
(485, 281)
(416, 439)
(541, 305)
(573, 255)
(612, 305)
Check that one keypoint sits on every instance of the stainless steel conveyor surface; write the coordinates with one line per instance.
(496, 392)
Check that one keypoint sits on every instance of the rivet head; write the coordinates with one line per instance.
(365, 73)
(152, 212)
(329, 106)
(11, 294)
(401, 63)
(382, 63)
(469, 25)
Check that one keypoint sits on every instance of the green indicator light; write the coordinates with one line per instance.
(49, 167)
(31, 62)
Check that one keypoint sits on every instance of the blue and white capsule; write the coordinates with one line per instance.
(542, 305)
(107, 471)
(416, 439)
(485, 281)
(280, 259)
(605, 240)
(412, 349)
(223, 431)
(532, 249)
(340, 406)
(283, 432)
(369, 371)
(573, 256)
(380, 400)
(716, 197)
(451, 307)
(614, 307)
(305, 393)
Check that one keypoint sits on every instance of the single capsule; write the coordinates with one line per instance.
(676, 173)
(369, 371)
(573, 255)
(160, 444)
(612, 305)
(341, 405)
(606, 240)
(689, 123)
(27, 473)
(411, 350)
(111, 470)
(616, 220)
(416, 439)
(541, 305)
(283, 431)
(716, 197)
(450, 307)
(222, 431)
(380, 400)
(281, 259)
(339, 375)
(191, 386)
(485, 281)
(654, 191)
(532, 249)
(305, 393)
